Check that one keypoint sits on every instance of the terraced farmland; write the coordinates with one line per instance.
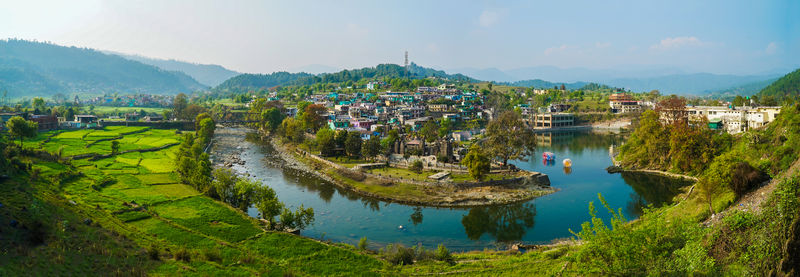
(137, 195)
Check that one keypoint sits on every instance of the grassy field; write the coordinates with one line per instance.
(137, 206)
(116, 110)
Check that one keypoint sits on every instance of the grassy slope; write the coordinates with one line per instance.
(166, 214)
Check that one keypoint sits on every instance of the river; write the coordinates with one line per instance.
(343, 216)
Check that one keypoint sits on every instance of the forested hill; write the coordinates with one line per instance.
(255, 81)
(29, 68)
(787, 87)
(207, 74)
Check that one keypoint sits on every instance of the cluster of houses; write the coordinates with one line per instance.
(51, 122)
(131, 100)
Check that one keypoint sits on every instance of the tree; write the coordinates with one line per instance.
(293, 130)
(416, 166)
(179, 104)
(444, 127)
(673, 110)
(430, 131)
(21, 128)
(313, 116)
(39, 104)
(738, 101)
(298, 219)
(371, 147)
(199, 118)
(114, 147)
(353, 144)
(271, 119)
(508, 138)
(268, 205)
(326, 142)
(477, 162)
(206, 130)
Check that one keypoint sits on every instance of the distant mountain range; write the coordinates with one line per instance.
(210, 75)
(29, 68)
(636, 78)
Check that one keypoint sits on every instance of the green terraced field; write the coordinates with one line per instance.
(139, 196)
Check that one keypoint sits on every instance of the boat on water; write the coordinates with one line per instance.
(548, 156)
(567, 163)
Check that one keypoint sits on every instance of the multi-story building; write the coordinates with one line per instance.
(734, 119)
(553, 120)
(623, 103)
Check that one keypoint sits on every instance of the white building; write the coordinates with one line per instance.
(736, 119)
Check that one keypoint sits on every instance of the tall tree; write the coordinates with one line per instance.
(477, 162)
(271, 119)
(353, 144)
(179, 104)
(508, 138)
(371, 147)
(21, 128)
(673, 109)
(314, 116)
(326, 142)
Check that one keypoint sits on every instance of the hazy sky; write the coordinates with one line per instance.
(266, 36)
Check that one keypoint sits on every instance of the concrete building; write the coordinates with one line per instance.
(734, 119)
(46, 122)
(553, 120)
(623, 103)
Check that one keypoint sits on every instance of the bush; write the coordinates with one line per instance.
(745, 177)
(154, 252)
(416, 166)
(442, 254)
(212, 255)
(398, 254)
(183, 255)
(362, 244)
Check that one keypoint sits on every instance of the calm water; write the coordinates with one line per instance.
(343, 216)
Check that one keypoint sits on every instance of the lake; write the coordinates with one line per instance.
(343, 216)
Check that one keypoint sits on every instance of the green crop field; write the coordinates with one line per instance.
(141, 204)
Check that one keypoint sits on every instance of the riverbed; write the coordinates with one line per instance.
(344, 216)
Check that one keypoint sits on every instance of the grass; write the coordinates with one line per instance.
(216, 239)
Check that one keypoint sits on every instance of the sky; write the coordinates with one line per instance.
(734, 37)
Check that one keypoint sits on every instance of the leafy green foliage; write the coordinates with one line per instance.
(507, 137)
(654, 246)
(477, 162)
(352, 145)
(21, 128)
(416, 166)
(785, 89)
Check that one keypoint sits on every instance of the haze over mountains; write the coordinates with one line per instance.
(30, 68)
(207, 74)
(669, 80)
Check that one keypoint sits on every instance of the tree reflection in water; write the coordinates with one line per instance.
(651, 189)
(505, 223)
(416, 216)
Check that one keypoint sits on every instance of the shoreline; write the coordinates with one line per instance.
(470, 197)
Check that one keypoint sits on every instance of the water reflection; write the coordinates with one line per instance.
(567, 170)
(504, 223)
(416, 216)
(652, 190)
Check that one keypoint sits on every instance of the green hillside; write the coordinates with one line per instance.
(785, 88)
(29, 68)
(255, 81)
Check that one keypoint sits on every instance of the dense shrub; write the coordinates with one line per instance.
(183, 254)
(398, 254)
(212, 255)
(154, 252)
(362, 244)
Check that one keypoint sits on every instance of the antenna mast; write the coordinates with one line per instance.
(406, 64)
